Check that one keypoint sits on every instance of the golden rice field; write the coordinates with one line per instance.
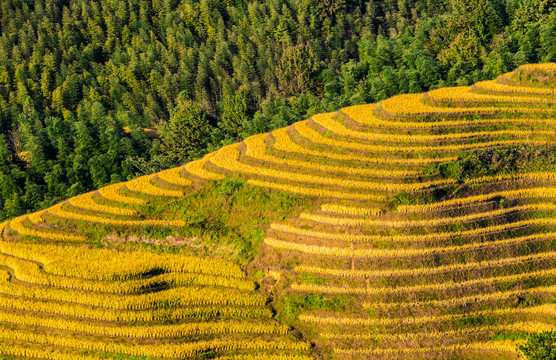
(59, 301)
(463, 272)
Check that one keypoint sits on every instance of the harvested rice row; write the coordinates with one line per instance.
(541, 192)
(18, 226)
(464, 300)
(228, 158)
(512, 177)
(546, 309)
(284, 143)
(36, 217)
(328, 289)
(327, 121)
(256, 149)
(368, 211)
(87, 202)
(33, 273)
(112, 192)
(265, 357)
(57, 210)
(498, 346)
(157, 314)
(464, 94)
(8, 347)
(173, 176)
(317, 192)
(316, 137)
(182, 296)
(550, 256)
(114, 265)
(391, 253)
(402, 224)
(190, 349)
(144, 331)
(413, 105)
(493, 85)
(351, 210)
(532, 326)
(144, 185)
(197, 168)
(545, 67)
(364, 115)
(434, 236)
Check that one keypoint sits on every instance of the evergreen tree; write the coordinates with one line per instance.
(238, 110)
(186, 131)
(297, 69)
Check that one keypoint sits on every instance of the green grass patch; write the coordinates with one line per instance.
(111, 355)
(227, 218)
(292, 305)
(309, 279)
(508, 336)
(232, 213)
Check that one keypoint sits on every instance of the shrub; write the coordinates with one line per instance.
(540, 346)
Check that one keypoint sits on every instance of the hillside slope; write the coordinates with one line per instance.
(432, 234)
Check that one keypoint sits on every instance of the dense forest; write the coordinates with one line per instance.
(81, 80)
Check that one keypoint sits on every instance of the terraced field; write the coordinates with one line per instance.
(62, 299)
(400, 259)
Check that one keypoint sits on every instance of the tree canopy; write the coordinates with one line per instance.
(75, 74)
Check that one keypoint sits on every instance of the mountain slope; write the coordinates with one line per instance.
(430, 236)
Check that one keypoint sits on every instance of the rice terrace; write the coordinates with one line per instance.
(419, 227)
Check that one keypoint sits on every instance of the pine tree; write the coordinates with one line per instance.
(238, 110)
(186, 131)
